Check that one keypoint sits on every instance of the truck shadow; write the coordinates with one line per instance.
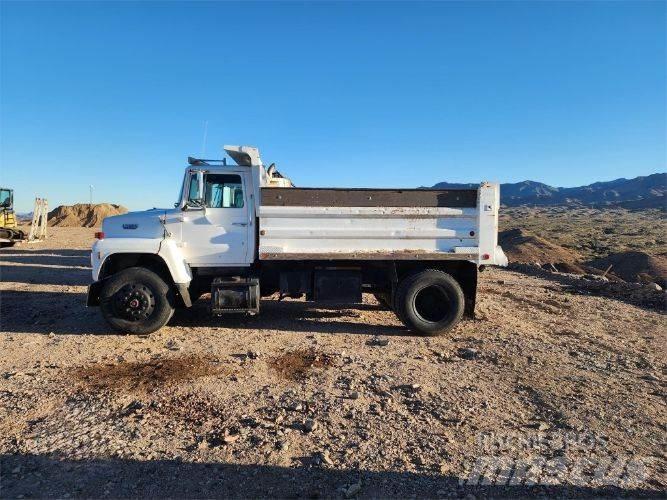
(64, 252)
(294, 316)
(61, 313)
(38, 476)
(45, 275)
(45, 267)
(65, 313)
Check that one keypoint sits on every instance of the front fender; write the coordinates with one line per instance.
(166, 249)
(173, 257)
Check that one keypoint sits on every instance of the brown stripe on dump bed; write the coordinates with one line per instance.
(325, 197)
(392, 255)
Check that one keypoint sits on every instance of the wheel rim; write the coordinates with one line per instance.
(431, 303)
(134, 302)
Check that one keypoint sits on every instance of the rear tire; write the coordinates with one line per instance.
(430, 302)
(136, 300)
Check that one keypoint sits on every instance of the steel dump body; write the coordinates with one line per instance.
(379, 224)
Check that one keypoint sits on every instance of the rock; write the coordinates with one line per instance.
(173, 345)
(378, 341)
(217, 439)
(653, 287)
(353, 490)
(282, 445)
(325, 458)
(131, 408)
(230, 438)
(353, 395)
(310, 425)
(375, 409)
(542, 427)
(467, 353)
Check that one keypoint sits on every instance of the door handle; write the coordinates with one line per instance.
(242, 224)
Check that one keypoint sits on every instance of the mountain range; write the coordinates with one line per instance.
(641, 192)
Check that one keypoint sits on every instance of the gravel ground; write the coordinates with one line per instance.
(552, 389)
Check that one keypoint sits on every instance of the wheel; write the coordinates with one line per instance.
(384, 299)
(430, 302)
(136, 300)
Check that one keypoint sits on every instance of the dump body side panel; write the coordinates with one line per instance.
(366, 224)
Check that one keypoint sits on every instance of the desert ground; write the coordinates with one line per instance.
(592, 232)
(558, 384)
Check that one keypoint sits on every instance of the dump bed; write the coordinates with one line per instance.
(380, 224)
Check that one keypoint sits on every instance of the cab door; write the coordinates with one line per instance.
(216, 219)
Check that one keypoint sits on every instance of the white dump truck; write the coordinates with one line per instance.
(243, 231)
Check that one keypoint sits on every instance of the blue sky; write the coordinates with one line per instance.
(115, 94)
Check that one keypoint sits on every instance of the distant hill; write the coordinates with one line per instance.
(641, 192)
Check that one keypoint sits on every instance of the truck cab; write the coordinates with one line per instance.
(217, 219)
(242, 231)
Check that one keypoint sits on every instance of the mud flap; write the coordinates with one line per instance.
(467, 278)
(94, 290)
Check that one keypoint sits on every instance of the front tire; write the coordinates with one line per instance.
(430, 302)
(136, 300)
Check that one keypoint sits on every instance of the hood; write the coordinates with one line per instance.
(142, 224)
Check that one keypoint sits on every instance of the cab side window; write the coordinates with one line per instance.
(223, 191)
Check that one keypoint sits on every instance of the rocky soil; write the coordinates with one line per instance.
(309, 401)
(593, 232)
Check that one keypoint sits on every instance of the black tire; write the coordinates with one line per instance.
(430, 302)
(384, 299)
(136, 300)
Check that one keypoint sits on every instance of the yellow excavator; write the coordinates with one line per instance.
(10, 234)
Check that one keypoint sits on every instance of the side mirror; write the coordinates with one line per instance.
(197, 204)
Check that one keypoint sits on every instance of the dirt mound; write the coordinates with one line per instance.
(83, 214)
(635, 266)
(524, 247)
(297, 365)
